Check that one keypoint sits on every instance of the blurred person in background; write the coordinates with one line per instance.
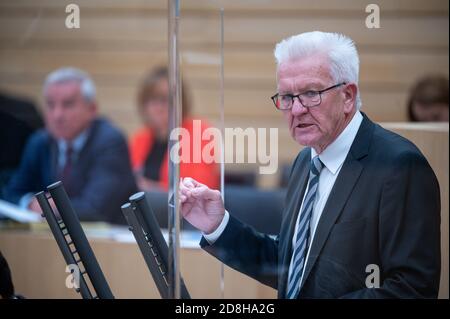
(80, 148)
(428, 101)
(19, 118)
(148, 146)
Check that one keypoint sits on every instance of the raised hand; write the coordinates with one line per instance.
(201, 206)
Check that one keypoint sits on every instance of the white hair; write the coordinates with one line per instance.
(340, 50)
(69, 74)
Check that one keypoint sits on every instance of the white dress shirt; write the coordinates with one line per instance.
(77, 144)
(332, 157)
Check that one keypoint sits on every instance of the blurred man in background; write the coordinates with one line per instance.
(86, 152)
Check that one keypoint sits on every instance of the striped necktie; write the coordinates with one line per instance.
(301, 237)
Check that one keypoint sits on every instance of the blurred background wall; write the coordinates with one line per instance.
(118, 41)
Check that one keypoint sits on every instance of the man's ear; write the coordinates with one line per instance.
(350, 91)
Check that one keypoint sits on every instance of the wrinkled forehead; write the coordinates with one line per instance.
(314, 66)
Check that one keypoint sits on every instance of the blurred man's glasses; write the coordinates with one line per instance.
(307, 99)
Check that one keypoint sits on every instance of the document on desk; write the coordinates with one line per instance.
(17, 213)
(188, 238)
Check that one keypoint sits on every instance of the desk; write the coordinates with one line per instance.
(38, 269)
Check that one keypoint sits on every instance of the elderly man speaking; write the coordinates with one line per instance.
(359, 196)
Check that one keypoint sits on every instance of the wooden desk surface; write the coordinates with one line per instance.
(38, 269)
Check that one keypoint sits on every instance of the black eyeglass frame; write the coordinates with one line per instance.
(275, 97)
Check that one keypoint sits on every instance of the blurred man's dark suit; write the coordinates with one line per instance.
(384, 209)
(101, 179)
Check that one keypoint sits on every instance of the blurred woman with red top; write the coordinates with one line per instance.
(148, 146)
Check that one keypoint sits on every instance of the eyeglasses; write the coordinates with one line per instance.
(307, 99)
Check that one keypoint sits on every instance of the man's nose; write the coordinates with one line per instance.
(298, 108)
(57, 112)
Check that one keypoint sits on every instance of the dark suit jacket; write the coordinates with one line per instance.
(101, 178)
(384, 209)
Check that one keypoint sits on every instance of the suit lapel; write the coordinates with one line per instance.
(342, 188)
(293, 210)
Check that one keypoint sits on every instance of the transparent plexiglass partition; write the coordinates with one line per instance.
(196, 47)
(120, 44)
(219, 73)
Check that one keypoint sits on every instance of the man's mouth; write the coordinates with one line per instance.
(304, 125)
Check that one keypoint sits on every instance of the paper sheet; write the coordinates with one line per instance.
(18, 214)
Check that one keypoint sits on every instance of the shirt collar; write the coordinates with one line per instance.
(77, 143)
(333, 156)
